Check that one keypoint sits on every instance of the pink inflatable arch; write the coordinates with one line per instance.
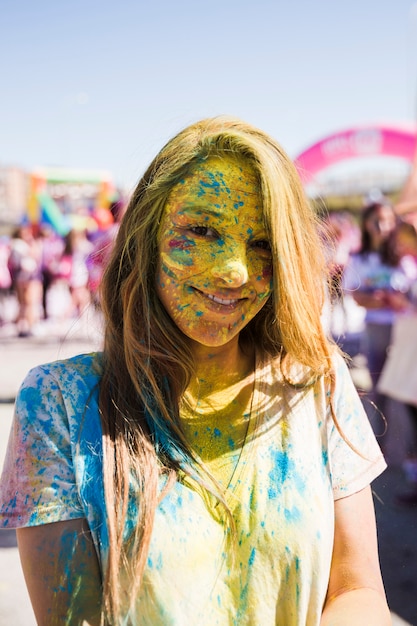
(363, 141)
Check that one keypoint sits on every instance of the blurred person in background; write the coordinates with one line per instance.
(52, 249)
(5, 277)
(399, 375)
(25, 264)
(376, 280)
(343, 317)
(73, 264)
(102, 245)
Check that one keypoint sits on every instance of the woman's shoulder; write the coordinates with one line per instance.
(79, 372)
(289, 371)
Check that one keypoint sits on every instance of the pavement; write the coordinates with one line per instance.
(397, 525)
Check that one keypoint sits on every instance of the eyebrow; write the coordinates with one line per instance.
(197, 211)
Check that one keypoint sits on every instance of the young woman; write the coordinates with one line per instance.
(210, 466)
(377, 280)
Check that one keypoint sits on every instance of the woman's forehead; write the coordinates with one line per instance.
(219, 176)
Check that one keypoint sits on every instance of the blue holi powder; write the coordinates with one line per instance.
(217, 432)
(159, 562)
(182, 257)
(167, 271)
(249, 231)
(252, 557)
(231, 443)
(278, 473)
(181, 307)
(199, 313)
(238, 204)
(213, 183)
(169, 507)
(292, 515)
(213, 186)
(325, 457)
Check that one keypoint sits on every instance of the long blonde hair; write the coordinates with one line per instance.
(147, 360)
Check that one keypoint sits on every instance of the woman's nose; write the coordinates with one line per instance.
(233, 272)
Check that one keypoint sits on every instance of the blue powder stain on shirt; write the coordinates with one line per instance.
(159, 562)
(252, 557)
(169, 507)
(278, 473)
(292, 515)
(325, 457)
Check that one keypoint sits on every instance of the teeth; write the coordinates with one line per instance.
(220, 300)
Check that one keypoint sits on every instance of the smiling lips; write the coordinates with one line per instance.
(227, 302)
(221, 300)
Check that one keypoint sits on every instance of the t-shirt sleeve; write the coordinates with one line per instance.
(354, 454)
(38, 482)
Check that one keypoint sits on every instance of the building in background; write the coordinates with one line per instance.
(13, 195)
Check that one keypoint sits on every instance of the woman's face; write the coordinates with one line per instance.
(380, 224)
(215, 266)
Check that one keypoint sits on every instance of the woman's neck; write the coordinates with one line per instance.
(218, 369)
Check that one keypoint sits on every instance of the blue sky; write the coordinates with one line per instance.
(102, 85)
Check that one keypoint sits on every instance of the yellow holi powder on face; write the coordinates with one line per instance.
(214, 270)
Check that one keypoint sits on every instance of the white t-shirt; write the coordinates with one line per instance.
(293, 466)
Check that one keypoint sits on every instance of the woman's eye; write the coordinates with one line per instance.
(202, 231)
(262, 244)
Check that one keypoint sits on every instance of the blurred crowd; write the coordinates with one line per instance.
(372, 299)
(45, 276)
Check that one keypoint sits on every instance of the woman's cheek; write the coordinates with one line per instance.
(178, 257)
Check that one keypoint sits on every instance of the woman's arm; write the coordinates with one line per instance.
(62, 573)
(356, 593)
